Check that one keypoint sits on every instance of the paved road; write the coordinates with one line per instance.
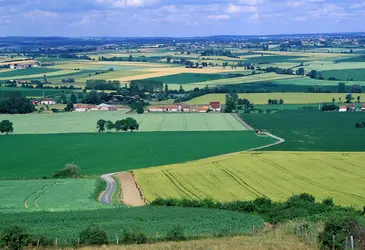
(248, 127)
(107, 196)
(280, 140)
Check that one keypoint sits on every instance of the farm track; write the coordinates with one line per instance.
(106, 196)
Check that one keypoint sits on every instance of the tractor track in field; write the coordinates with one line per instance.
(132, 190)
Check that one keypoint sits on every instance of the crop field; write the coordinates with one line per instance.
(246, 176)
(47, 195)
(344, 74)
(150, 220)
(185, 78)
(36, 75)
(36, 156)
(312, 130)
(26, 72)
(268, 59)
(32, 92)
(289, 98)
(246, 79)
(80, 122)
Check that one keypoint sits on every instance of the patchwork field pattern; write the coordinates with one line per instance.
(47, 195)
(35, 156)
(246, 176)
(289, 98)
(80, 122)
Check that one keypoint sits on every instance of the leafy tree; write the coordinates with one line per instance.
(140, 109)
(349, 98)
(109, 125)
(300, 71)
(73, 98)
(177, 233)
(69, 106)
(281, 101)
(356, 88)
(16, 105)
(313, 74)
(166, 89)
(358, 99)
(69, 171)
(101, 125)
(93, 235)
(181, 90)
(133, 237)
(333, 100)
(132, 124)
(6, 126)
(341, 87)
(230, 106)
(14, 238)
(64, 99)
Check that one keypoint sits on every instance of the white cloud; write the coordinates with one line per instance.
(40, 13)
(300, 18)
(169, 8)
(219, 17)
(251, 2)
(358, 5)
(240, 9)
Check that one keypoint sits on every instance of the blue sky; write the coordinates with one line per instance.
(178, 17)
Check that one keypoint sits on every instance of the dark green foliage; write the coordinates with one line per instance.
(177, 233)
(70, 171)
(140, 109)
(342, 227)
(41, 241)
(69, 107)
(109, 125)
(100, 125)
(330, 107)
(133, 237)
(146, 85)
(12, 105)
(6, 126)
(360, 125)
(312, 130)
(302, 198)
(93, 235)
(99, 187)
(14, 238)
(328, 202)
(102, 85)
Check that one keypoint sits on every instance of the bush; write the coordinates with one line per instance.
(93, 235)
(14, 238)
(302, 198)
(70, 171)
(328, 202)
(41, 241)
(133, 237)
(177, 233)
(99, 187)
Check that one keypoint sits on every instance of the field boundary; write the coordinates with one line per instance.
(248, 127)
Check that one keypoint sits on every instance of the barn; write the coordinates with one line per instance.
(215, 106)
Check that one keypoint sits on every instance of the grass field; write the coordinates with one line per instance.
(312, 130)
(79, 122)
(289, 98)
(26, 72)
(33, 92)
(40, 155)
(66, 226)
(245, 176)
(47, 195)
(344, 74)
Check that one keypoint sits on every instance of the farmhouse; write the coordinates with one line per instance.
(363, 107)
(203, 109)
(215, 106)
(101, 107)
(48, 101)
(106, 107)
(165, 108)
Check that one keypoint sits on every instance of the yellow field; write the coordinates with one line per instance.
(289, 98)
(245, 176)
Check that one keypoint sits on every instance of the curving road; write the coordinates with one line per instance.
(107, 196)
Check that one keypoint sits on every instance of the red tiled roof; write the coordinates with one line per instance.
(215, 105)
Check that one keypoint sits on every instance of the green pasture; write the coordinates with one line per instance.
(151, 220)
(36, 156)
(31, 92)
(26, 72)
(115, 75)
(80, 122)
(355, 59)
(345, 74)
(47, 195)
(268, 59)
(53, 73)
(312, 130)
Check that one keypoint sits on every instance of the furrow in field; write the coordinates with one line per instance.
(176, 184)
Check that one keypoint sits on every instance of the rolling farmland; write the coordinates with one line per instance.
(246, 176)
(47, 195)
(80, 122)
(289, 98)
(36, 156)
(312, 130)
(149, 219)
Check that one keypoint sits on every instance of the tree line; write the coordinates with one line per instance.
(120, 125)
(13, 105)
(102, 84)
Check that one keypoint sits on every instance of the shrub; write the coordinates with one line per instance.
(14, 238)
(41, 241)
(302, 197)
(99, 187)
(93, 235)
(328, 202)
(133, 237)
(70, 171)
(177, 233)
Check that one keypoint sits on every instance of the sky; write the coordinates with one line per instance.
(178, 18)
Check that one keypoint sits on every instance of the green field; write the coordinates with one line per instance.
(32, 92)
(40, 155)
(47, 195)
(79, 122)
(186, 78)
(66, 226)
(246, 176)
(26, 72)
(289, 98)
(312, 130)
(355, 74)
(268, 59)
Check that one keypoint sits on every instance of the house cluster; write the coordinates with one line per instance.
(352, 108)
(24, 65)
(182, 107)
(101, 107)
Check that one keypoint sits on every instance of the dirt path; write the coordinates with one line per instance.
(248, 127)
(130, 192)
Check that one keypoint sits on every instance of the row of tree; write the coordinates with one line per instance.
(6, 126)
(275, 101)
(13, 105)
(102, 85)
(120, 125)
(360, 125)
(233, 102)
